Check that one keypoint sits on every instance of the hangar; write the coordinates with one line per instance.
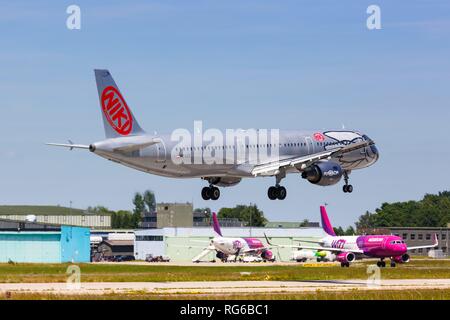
(183, 244)
(42, 243)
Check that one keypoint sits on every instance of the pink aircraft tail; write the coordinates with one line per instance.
(216, 225)
(326, 225)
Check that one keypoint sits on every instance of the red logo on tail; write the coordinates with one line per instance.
(116, 111)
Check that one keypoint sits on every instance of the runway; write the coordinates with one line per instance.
(214, 287)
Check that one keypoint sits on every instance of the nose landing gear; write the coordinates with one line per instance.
(381, 264)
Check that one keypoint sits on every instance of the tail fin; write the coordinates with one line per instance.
(117, 116)
(326, 225)
(216, 225)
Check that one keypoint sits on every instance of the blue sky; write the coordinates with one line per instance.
(231, 64)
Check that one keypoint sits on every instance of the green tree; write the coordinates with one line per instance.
(339, 231)
(431, 211)
(350, 231)
(304, 223)
(122, 219)
(139, 209)
(207, 211)
(150, 200)
(250, 215)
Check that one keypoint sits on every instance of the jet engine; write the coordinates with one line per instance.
(345, 257)
(222, 256)
(325, 173)
(223, 181)
(402, 259)
(267, 255)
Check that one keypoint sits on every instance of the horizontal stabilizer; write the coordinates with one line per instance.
(69, 145)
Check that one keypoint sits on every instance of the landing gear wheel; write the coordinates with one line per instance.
(272, 193)
(282, 193)
(345, 264)
(381, 264)
(347, 188)
(215, 193)
(206, 193)
(393, 264)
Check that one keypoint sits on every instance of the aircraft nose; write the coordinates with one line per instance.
(373, 153)
(400, 249)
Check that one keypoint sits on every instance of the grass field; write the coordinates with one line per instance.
(418, 269)
(424, 294)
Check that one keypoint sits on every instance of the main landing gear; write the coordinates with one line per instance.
(345, 264)
(382, 263)
(210, 193)
(277, 191)
(347, 188)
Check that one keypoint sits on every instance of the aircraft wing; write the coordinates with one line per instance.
(289, 245)
(435, 244)
(328, 249)
(272, 168)
(254, 250)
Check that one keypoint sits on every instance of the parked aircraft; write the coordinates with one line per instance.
(347, 249)
(321, 157)
(225, 246)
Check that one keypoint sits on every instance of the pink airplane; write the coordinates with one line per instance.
(232, 246)
(346, 249)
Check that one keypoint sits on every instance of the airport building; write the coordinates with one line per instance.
(56, 215)
(43, 243)
(176, 214)
(421, 236)
(183, 244)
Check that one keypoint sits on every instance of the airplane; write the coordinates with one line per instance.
(303, 255)
(225, 247)
(346, 249)
(321, 157)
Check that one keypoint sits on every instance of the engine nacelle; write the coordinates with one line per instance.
(267, 255)
(325, 256)
(325, 173)
(223, 181)
(221, 255)
(346, 257)
(401, 259)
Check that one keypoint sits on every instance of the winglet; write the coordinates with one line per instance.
(436, 241)
(326, 225)
(216, 225)
(267, 239)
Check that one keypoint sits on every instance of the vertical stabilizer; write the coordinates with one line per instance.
(326, 225)
(117, 116)
(216, 225)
